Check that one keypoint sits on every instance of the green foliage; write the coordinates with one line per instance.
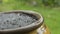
(36, 3)
(51, 2)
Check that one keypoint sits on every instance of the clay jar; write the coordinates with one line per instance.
(24, 29)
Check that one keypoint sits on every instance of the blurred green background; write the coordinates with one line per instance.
(50, 9)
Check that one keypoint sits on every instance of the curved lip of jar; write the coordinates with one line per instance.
(38, 22)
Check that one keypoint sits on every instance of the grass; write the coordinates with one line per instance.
(51, 15)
